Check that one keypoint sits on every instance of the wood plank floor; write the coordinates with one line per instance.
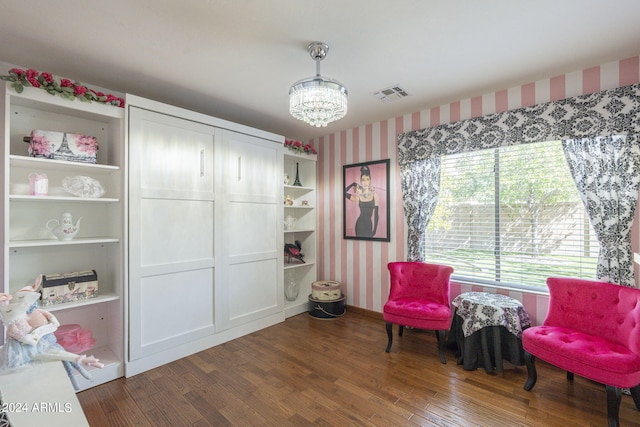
(314, 372)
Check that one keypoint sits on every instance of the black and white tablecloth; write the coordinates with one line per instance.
(481, 309)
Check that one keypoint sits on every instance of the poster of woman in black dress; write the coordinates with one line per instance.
(366, 202)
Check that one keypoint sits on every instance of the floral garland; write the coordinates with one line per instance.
(58, 86)
(299, 147)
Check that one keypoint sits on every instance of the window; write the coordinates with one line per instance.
(511, 217)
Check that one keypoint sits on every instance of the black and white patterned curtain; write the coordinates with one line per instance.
(605, 113)
(422, 184)
(606, 171)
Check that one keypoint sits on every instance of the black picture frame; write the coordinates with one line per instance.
(366, 208)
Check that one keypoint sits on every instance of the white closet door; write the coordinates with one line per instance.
(171, 232)
(251, 188)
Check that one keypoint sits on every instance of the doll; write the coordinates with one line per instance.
(40, 322)
(30, 335)
(22, 344)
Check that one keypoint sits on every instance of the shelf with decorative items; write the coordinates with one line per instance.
(63, 191)
(300, 225)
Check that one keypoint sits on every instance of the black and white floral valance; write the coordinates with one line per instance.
(609, 112)
(606, 170)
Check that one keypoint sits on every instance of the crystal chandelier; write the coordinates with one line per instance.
(318, 100)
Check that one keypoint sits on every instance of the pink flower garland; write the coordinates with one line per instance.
(58, 86)
(299, 147)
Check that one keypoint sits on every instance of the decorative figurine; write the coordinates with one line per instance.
(64, 229)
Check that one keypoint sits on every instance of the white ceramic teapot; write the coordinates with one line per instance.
(64, 228)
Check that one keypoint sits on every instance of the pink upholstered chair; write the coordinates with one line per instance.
(419, 298)
(592, 329)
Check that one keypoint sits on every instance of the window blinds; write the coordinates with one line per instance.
(511, 217)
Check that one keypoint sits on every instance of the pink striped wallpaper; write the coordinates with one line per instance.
(360, 265)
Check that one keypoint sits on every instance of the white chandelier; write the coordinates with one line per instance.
(318, 100)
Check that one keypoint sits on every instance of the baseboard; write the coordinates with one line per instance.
(364, 312)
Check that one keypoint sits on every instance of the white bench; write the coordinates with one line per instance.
(40, 394)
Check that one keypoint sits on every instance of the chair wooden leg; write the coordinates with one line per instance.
(400, 330)
(389, 335)
(530, 362)
(614, 396)
(441, 335)
(635, 393)
(570, 376)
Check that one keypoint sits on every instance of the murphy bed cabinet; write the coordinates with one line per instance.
(205, 231)
(250, 229)
(171, 263)
(29, 247)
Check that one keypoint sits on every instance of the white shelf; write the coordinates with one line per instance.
(91, 301)
(59, 165)
(113, 368)
(51, 242)
(105, 355)
(292, 308)
(297, 187)
(300, 230)
(40, 99)
(292, 265)
(70, 199)
(298, 207)
(300, 156)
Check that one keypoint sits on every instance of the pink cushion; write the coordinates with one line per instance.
(586, 355)
(417, 313)
(592, 329)
(418, 309)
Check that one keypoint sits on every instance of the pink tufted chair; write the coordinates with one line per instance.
(592, 329)
(419, 298)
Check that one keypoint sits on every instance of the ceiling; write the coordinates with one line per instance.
(236, 59)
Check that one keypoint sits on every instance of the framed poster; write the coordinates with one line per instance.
(365, 213)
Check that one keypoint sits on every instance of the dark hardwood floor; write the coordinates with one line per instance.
(314, 372)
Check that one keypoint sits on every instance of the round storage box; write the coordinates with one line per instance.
(326, 309)
(326, 290)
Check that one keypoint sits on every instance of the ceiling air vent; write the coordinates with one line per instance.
(390, 94)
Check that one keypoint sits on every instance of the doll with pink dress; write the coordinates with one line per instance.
(30, 335)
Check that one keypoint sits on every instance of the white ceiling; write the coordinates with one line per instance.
(236, 59)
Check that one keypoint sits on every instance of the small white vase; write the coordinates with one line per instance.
(289, 222)
(291, 291)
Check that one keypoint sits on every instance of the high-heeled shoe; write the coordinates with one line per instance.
(294, 251)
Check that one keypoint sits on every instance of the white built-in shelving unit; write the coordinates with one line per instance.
(303, 210)
(29, 246)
